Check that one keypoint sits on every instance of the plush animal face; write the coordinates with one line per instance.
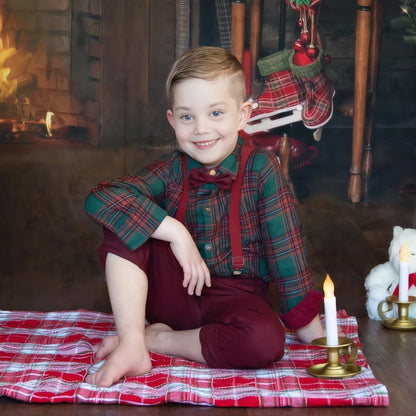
(403, 236)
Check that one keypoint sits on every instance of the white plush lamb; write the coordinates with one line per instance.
(384, 278)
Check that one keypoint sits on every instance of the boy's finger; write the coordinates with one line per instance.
(199, 286)
(192, 281)
(207, 278)
(186, 278)
(191, 286)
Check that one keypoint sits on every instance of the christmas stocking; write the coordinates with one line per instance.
(283, 91)
(320, 92)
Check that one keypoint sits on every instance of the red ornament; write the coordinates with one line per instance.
(297, 45)
(311, 51)
(300, 23)
(304, 37)
(300, 58)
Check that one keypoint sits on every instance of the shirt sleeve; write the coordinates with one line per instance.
(133, 206)
(283, 240)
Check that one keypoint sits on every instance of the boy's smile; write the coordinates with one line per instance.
(207, 117)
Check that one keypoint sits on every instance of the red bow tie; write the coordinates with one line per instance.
(198, 177)
(412, 281)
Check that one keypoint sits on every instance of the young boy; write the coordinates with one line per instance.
(192, 241)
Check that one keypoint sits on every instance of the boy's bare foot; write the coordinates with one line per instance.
(105, 348)
(128, 358)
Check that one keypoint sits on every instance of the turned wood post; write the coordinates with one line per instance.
(376, 25)
(255, 38)
(238, 17)
(362, 47)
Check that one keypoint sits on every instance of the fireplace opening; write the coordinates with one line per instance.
(50, 71)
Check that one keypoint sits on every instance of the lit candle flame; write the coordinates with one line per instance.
(328, 287)
(404, 254)
(48, 121)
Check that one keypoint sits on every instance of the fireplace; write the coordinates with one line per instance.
(50, 70)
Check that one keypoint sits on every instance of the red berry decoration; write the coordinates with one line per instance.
(300, 23)
(297, 45)
(311, 51)
(304, 37)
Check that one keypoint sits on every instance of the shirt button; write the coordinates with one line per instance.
(207, 209)
(208, 247)
(212, 172)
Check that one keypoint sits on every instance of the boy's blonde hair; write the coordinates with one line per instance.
(207, 63)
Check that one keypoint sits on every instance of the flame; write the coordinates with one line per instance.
(7, 88)
(328, 287)
(48, 122)
(404, 254)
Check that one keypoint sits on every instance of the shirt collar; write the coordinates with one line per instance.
(229, 164)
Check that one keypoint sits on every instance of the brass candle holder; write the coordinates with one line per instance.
(333, 368)
(403, 322)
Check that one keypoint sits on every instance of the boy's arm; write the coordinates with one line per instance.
(283, 243)
(195, 270)
(132, 207)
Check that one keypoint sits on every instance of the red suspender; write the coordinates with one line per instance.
(235, 198)
(180, 213)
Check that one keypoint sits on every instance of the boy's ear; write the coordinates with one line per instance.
(245, 113)
(171, 120)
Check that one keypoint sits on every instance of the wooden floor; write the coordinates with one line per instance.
(345, 241)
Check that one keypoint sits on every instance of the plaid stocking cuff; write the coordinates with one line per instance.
(276, 62)
(308, 71)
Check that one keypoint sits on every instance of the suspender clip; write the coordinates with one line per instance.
(238, 264)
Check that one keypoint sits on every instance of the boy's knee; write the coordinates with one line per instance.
(262, 344)
(244, 345)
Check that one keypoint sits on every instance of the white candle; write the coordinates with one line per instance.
(404, 274)
(330, 313)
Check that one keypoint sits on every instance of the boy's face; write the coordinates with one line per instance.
(206, 118)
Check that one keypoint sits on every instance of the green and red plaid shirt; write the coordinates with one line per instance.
(132, 207)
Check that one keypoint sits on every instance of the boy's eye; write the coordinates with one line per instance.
(216, 113)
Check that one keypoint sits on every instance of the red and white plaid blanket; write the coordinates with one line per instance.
(44, 357)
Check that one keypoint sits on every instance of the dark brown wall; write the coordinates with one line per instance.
(48, 254)
(138, 38)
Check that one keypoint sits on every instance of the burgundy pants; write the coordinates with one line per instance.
(239, 329)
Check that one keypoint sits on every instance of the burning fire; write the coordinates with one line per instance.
(7, 88)
(48, 122)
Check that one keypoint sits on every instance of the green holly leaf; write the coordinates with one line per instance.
(301, 2)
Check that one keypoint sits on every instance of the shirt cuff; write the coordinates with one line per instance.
(303, 313)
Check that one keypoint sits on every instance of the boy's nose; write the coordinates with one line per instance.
(201, 126)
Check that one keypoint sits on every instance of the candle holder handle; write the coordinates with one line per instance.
(351, 351)
(334, 368)
(382, 311)
(403, 322)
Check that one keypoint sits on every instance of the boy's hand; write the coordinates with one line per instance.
(195, 270)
